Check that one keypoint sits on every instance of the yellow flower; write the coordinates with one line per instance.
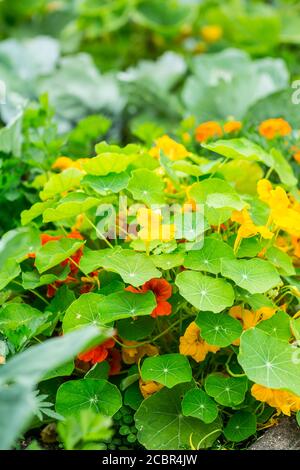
(284, 401)
(211, 33)
(285, 212)
(208, 130)
(248, 228)
(248, 318)
(62, 163)
(232, 126)
(132, 355)
(272, 128)
(191, 344)
(152, 227)
(170, 148)
(148, 388)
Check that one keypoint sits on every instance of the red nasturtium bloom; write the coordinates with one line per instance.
(162, 291)
(98, 353)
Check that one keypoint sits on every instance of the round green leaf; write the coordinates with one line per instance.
(169, 369)
(282, 261)
(161, 424)
(209, 257)
(219, 330)
(228, 391)
(134, 268)
(54, 252)
(168, 261)
(204, 292)
(198, 404)
(125, 305)
(108, 162)
(98, 395)
(270, 361)
(83, 311)
(114, 182)
(278, 326)
(255, 275)
(240, 426)
(146, 186)
(134, 329)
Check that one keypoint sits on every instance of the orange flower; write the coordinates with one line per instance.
(272, 128)
(98, 353)
(208, 130)
(232, 126)
(149, 387)
(62, 163)
(297, 156)
(249, 318)
(191, 344)
(285, 402)
(162, 291)
(132, 355)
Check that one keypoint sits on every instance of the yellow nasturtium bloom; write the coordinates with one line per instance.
(170, 148)
(250, 319)
(211, 33)
(284, 401)
(191, 344)
(232, 126)
(149, 387)
(152, 227)
(132, 354)
(285, 212)
(248, 228)
(63, 163)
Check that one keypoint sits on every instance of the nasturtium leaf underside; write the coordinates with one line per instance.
(125, 304)
(54, 252)
(167, 369)
(219, 330)
(269, 361)
(198, 404)
(96, 394)
(240, 426)
(255, 275)
(209, 257)
(228, 391)
(146, 186)
(162, 426)
(83, 311)
(204, 292)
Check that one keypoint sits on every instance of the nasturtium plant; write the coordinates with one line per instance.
(150, 223)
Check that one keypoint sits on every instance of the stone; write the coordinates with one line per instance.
(283, 436)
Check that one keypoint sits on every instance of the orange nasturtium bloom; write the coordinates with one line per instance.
(284, 401)
(170, 148)
(208, 130)
(162, 291)
(63, 163)
(211, 33)
(98, 353)
(272, 128)
(232, 126)
(132, 355)
(191, 344)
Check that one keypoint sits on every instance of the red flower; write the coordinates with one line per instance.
(114, 360)
(98, 353)
(162, 291)
(45, 238)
